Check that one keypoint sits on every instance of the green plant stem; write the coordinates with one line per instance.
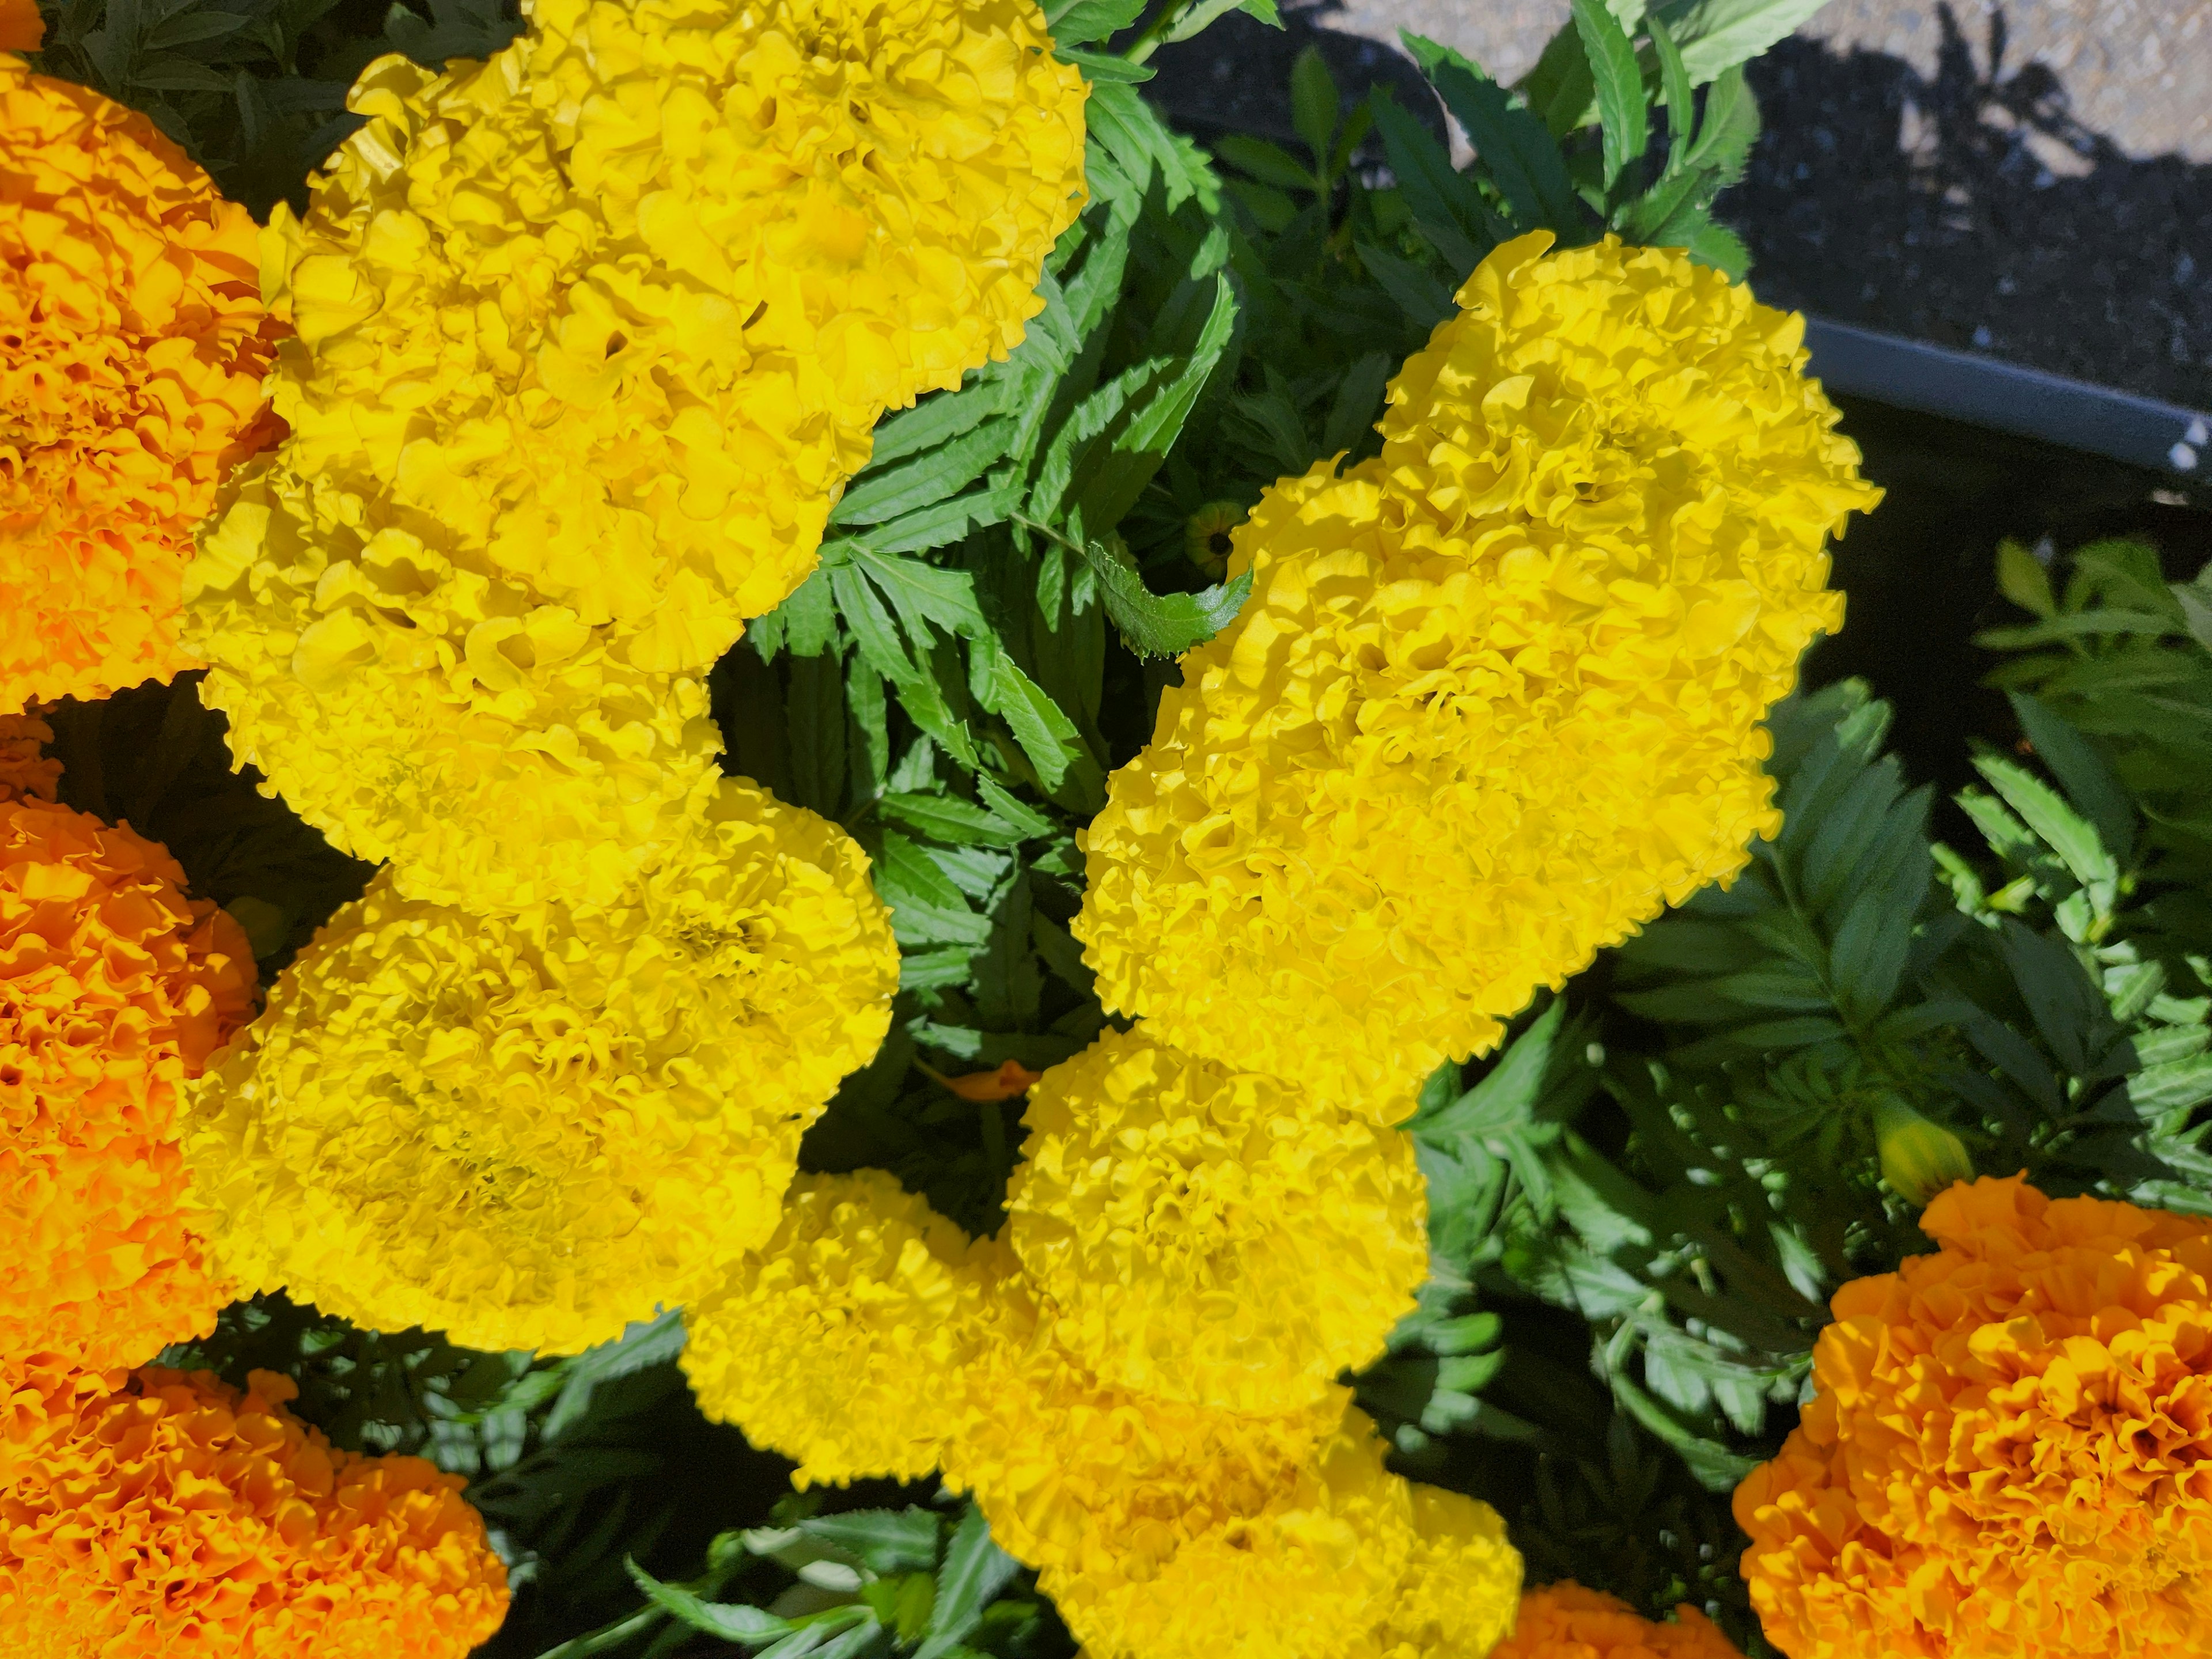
(1156, 32)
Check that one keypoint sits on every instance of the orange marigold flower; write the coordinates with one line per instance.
(24, 770)
(130, 304)
(114, 990)
(2007, 1456)
(1566, 1621)
(22, 28)
(152, 1513)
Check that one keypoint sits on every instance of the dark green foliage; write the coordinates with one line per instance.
(155, 758)
(254, 90)
(859, 1584)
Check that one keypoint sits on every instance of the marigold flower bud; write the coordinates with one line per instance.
(2003, 1458)
(154, 1513)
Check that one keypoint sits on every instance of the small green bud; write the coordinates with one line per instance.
(266, 926)
(1918, 1158)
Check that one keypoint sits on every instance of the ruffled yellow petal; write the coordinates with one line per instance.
(844, 1340)
(1211, 1235)
(1494, 700)
(527, 1133)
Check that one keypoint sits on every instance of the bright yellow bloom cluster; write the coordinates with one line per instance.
(2007, 1454)
(529, 1132)
(502, 754)
(1457, 1594)
(114, 990)
(1494, 700)
(589, 338)
(1566, 1621)
(1209, 1236)
(135, 344)
(150, 1514)
(840, 1341)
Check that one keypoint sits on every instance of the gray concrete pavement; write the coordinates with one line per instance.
(2139, 72)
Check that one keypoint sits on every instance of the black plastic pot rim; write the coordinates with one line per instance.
(1931, 379)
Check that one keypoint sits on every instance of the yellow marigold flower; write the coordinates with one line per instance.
(1318, 1559)
(1208, 1235)
(2005, 1455)
(114, 990)
(1566, 1621)
(1075, 1473)
(1460, 1587)
(589, 338)
(529, 1132)
(413, 710)
(24, 769)
(840, 1341)
(1495, 698)
(153, 1513)
(136, 345)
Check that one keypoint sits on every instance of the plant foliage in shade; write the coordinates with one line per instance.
(153, 757)
(254, 90)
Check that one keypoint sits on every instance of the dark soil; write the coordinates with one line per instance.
(1970, 210)
(1968, 238)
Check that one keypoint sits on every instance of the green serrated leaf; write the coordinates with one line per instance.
(1448, 210)
(975, 1570)
(884, 1541)
(1079, 23)
(949, 819)
(1316, 104)
(1623, 114)
(1510, 142)
(732, 1621)
(1157, 625)
(1716, 35)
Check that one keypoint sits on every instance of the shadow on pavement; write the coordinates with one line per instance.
(1970, 209)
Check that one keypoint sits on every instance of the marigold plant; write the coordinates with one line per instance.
(527, 1133)
(114, 990)
(130, 304)
(1208, 1235)
(2004, 1458)
(1566, 1621)
(547, 456)
(151, 1513)
(1494, 700)
(844, 1340)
